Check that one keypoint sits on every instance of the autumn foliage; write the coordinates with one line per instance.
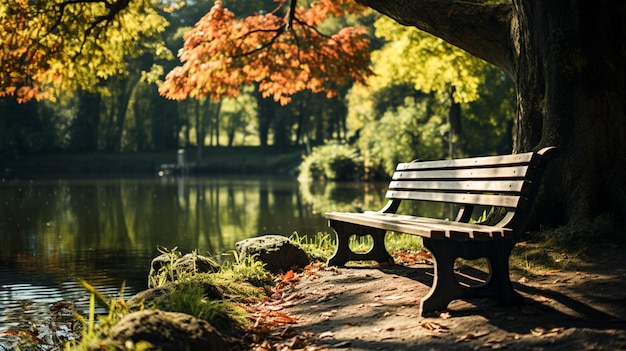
(56, 45)
(281, 54)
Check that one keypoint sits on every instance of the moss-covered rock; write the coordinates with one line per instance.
(166, 268)
(167, 331)
(276, 251)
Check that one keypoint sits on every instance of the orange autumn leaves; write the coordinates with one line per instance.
(17, 49)
(283, 55)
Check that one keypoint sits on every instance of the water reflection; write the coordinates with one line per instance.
(106, 231)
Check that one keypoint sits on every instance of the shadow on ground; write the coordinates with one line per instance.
(582, 307)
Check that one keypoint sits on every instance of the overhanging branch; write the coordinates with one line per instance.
(480, 29)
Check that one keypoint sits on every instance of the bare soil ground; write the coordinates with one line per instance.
(580, 307)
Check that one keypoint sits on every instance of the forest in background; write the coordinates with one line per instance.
(425, 100)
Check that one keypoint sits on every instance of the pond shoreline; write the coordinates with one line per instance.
(215, 160)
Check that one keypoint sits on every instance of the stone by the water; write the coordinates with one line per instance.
(277, 252)
(167, 331)
(189, 263)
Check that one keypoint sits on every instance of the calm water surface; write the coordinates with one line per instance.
(55, 232)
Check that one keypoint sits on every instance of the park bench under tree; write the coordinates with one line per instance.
(505, 184)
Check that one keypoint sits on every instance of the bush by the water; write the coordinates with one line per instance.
(332, 162)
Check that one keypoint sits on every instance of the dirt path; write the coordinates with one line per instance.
(582, 307)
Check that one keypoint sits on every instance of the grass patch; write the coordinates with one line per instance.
(318, 247)
(536, 258)
(321, 246)
(189, 297)
(553, 249)
(217, 298)
(584, 238)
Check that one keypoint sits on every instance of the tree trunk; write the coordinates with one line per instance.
(454, 122)
(571, 88)
(567, 58)
(84, 127)
(266, 115)
(199, 129)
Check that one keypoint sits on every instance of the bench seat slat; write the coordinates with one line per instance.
(456, 198)
(469, 162)
(514, 186)
(460, 174)
(426, 227)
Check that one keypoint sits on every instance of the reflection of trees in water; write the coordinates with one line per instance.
(342, 196)
(78, 221)
(362, 196)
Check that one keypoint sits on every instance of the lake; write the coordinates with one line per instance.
(106, 231)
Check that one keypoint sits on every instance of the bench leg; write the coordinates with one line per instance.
(498, 284)
(446, 287)
(343, 254)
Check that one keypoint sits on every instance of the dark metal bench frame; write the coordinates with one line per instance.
(509, 183)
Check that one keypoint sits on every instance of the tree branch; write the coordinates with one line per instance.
(480, 29)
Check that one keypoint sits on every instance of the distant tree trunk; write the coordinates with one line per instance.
(84, 127)
(140, 112)
(122, 91)
(454, 122)
(267, 113)
(165, 123)
(199, 129)
(568, 60)
(281, 136)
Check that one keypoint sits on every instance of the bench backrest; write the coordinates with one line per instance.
(509, 182)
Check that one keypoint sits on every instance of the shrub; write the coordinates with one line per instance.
(332, 162)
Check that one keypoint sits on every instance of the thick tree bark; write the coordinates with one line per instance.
(568, 60)
(571, 81)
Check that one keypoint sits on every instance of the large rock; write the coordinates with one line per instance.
(276, 251)
(189, 263)
(166, 331)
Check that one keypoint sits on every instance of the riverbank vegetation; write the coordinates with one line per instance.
(237, 300)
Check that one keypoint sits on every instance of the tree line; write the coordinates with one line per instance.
(126, 113)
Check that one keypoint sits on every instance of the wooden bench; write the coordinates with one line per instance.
(508, 184)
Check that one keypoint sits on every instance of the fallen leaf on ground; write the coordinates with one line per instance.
(328, 313)
(444, 315)
(296, 342)
(327, 334)
(539, 331)
(433, 326)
